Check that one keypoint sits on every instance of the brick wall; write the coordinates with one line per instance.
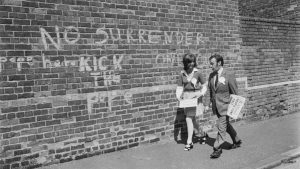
(270, 51)
(80, 78)
(271, 56)
(272, 9)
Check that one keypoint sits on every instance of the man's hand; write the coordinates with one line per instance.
(206, 108)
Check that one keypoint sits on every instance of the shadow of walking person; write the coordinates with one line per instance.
(210, 141)
(180, 129)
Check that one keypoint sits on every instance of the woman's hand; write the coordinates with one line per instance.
(179, 92)
(198, 94)
(202, 91)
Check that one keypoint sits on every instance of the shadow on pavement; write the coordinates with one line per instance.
(210, 141)
(180, 130)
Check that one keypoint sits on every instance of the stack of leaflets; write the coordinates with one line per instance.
(235, 106)
(188, 103)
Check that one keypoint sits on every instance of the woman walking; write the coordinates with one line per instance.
(191, 84)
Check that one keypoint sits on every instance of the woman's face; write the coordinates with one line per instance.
(191, 66)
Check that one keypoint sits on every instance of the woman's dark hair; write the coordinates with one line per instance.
(188, 59)
(218, 58)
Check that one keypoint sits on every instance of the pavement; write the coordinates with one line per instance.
(272, 143)
(290, 164)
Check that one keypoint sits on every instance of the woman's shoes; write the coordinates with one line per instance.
(188, 147)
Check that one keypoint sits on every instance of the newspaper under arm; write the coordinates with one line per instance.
(235, 106)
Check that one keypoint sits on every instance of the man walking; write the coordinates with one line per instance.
(221, 84)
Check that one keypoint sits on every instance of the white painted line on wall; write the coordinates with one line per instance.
(292, 7)
(243, 79)
(264, 86)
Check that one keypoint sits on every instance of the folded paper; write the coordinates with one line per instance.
(188, 103)
(235, 106)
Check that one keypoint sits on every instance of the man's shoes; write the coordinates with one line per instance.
(236, 145)
(216, 154)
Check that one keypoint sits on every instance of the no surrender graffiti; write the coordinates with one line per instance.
(103, 36)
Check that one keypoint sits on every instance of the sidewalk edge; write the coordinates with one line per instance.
(279, 162)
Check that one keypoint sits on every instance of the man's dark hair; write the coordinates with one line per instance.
(187, 59)
(218, 58)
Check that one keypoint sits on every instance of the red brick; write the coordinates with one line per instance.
(58, 92)
(10, 109)
(53, 122)
(44, 118)
(32, 156)
(25, 95)
(21, 152)
(20, 127)
(5, 130)
(60, 115)
(44, 106)
(27, 120)
(8, 84)
(11, 160)
(82, 118)
(5, 21)
(26, 83)
(46, 5)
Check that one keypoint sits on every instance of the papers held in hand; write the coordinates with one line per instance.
(188, 103)
(235, 106)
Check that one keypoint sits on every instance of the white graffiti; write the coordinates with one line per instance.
(57, 62)
(132, 36)
(69, 29)
(86, 63)
(245, 80)
(126, 95)
(168, 58)
(45, 34)
(99, 63)
(109, 77)
(100, 97)
(150, 36)
(176, 58)
(57, 44)
(100, 67)
(20, 61)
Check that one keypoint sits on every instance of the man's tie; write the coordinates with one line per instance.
(216, 80)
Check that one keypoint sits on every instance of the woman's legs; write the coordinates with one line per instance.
(190, 129)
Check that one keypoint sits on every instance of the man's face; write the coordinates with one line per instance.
(214, 65)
